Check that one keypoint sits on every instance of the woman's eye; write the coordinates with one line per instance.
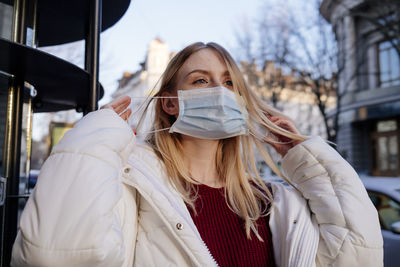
(201, 81)
(229, 83)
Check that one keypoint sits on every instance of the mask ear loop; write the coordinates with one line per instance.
(149, 99)
(256, 134)
(153, 131)
(153, 97)
(260, 138)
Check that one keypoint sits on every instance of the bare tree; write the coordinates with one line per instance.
(383, 15)
(306, 47)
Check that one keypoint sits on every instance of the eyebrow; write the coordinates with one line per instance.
(226, 73)
(197, 70)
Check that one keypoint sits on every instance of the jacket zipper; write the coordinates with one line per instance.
(135, 186)
(208, 250)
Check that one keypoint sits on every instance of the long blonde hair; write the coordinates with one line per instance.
(245, 192)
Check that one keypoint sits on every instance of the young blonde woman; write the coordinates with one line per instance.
(191, 195)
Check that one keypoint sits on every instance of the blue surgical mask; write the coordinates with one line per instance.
(210, 113)
(213, 113)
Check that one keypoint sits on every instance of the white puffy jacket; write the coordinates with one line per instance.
(103, 200)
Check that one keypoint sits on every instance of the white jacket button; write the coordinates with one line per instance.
(179, 226)
(127, 170)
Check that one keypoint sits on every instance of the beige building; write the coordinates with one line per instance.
(291, 94)
(144, 82)
(285, 91)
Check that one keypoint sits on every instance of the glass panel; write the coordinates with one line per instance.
(384, 45)
(374, 155)
(3, 111)
(6, 14)
(384, 65)
(26, 145)
(383, 153)
(393, 153)
(385, 84)
(29, 37)
(388, 209)
(389, 65)
(386, 126)
(396, 82)
(395, 66)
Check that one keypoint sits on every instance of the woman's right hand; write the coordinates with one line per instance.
(286, 143)
(119, 105)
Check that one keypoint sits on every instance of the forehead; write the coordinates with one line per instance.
(205, 59)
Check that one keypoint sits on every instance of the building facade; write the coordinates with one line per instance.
(369, 80)
(290, 94)
(144, 82)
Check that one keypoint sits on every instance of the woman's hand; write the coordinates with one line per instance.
(286, 143)
(119, 105)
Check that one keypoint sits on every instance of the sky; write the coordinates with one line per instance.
(176, 22)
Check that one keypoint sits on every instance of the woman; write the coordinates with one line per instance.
(192, 196)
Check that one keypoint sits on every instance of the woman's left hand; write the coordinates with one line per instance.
(120, 106)
(286, 143)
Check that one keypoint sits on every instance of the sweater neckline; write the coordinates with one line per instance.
(210, 188)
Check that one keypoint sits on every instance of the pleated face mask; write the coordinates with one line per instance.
(210, 113)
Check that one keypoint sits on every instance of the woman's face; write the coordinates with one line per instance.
(203, 69)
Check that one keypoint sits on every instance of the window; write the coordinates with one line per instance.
(385, 148)
(386, 126)
(389, 65)
(388, 209)
(6, 15)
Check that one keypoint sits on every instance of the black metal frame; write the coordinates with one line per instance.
(92, 50)
(12, 148)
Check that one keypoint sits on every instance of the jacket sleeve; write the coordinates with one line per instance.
(348, 222)
(73, 217)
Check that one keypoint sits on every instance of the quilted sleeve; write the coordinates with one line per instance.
(348, 222)
(73, 216)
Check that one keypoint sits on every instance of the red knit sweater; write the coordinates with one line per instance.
(224, 234)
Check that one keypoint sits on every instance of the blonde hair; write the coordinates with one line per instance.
(245, 192)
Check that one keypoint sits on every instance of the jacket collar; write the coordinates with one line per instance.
(148, 178)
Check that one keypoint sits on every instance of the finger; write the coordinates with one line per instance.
(280, 148)
(119, 104)
(276, 118)
(283, 124)
(284, 139)
(126, 114)
(276, 140)
(279, 137)
(274, 143)
(286, 125)
(270, 140)
(273, 118)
